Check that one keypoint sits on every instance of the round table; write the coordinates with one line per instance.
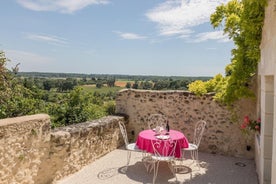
(146, 137)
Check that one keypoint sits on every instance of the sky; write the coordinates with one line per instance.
(138, 37)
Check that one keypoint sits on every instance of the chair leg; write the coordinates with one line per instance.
(193, 155)
(155, 171)
(196, 157)
(148, 164)
(172, 169)
(128, 157)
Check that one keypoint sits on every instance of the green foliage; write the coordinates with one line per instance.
(23, 96)
(76, 107)
(128, 85)
(146, 85)
(243, 22)
(110, 107)
(99, 84)
(216, 84)
(135, 85)
(198, 87)
(16, 99)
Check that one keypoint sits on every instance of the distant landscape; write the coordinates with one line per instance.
(116, 76)
(74, 98)
(110, 82)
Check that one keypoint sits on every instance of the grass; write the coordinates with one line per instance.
(104, 89)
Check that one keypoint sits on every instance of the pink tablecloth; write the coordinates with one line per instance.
(144, 141)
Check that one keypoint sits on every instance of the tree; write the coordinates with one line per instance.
(111, 82)
(128, 85)
(67, 85)
(77, 107)
(146, 85)
(15, 99)
(99, 84)
(135, 85)
(243, 22)
(47, 85)
(4, 74)
(161, 84)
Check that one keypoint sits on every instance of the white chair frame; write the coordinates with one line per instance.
(193, 147)
(155, 120)
(129, 146)
(168, 149)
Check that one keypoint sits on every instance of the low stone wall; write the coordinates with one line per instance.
(83, 143)
(23, 143)
(184, 109)
(31, 153)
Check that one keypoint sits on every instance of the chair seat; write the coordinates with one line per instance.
(191, 147)
(163, 158)
(132, 147)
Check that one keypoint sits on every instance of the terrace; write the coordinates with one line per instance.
(88, 152)
(214, 169)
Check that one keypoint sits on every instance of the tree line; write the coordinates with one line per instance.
(63, 97)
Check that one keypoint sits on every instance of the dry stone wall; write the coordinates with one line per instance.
(83, 143)
(23, 143)
(31, 153)
(184, 109)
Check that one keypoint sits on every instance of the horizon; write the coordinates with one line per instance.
(159, 38)
(113, 74)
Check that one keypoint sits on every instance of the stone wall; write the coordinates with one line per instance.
(23, 143)
(183, 109)
(31, 153)
(83, 143)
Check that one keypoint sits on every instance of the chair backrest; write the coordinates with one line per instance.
(124, 132)
(164, 148)
(198, 132)
(155, 120)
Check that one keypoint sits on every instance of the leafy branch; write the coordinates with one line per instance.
(242, 21)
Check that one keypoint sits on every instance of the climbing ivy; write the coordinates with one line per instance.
(242, 21)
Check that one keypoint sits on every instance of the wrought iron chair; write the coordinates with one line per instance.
(164, 150)
(129, 146)
(198, 133)
(155, 120)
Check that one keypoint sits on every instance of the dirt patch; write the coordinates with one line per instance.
(122, 83)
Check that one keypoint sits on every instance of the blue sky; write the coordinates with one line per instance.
(142, 37)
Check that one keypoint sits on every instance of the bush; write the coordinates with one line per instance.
(197, 87)
(110, 107)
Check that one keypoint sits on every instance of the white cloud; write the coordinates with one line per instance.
(63, 6)
(177, 17)
(28, 61)
(130, 36)
(215, 35)
(47, 38)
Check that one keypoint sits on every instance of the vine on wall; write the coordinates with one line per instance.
(242, 21)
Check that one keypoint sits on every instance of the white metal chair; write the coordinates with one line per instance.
(129, 146)
(155, 120)
(198, 133)
(164, 150)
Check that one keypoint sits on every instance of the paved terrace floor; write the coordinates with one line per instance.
(215, 169)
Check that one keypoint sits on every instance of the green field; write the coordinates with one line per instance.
(104, 89)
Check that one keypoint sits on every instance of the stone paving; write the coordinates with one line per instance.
(214, 169)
